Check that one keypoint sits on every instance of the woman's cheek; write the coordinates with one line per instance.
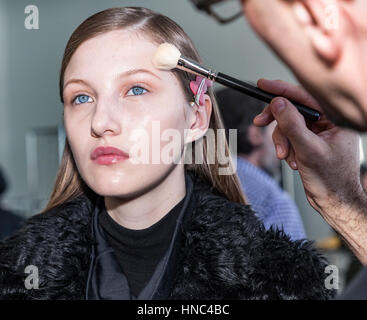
(77, 134)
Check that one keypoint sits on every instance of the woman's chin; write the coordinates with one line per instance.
(110, 191)
(125, 191)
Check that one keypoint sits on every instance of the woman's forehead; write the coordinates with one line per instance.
(114, 52)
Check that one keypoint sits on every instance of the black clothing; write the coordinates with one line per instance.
(220, 251)
(357, 290)
(139, 251)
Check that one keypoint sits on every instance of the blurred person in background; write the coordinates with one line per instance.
(9, 222)
(255, 161)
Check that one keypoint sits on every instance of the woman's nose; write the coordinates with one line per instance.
(105, 119)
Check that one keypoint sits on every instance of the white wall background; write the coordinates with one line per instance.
(30, 61)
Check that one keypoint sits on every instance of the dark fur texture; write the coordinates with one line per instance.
(227, 254)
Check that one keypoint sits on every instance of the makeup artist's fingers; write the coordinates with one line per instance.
(292, 125)
(281, 143)
(283, 149)
(264, 118)
(283, 89)
(289, 91)
(291, 159)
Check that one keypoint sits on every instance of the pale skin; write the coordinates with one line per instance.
(111, 88)
(324, 42)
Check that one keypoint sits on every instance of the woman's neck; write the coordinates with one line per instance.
(147, 209)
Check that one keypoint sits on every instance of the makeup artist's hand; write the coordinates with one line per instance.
(327, 159)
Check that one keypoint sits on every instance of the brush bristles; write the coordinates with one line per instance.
(166, 57)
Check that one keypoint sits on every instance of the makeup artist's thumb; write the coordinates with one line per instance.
(292, 124)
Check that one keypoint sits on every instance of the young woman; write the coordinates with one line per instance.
(118, 227)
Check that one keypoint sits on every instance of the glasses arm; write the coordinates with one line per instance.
(206, 6)
(224, 20)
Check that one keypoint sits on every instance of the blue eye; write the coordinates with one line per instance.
(136, 91)
(82, 98)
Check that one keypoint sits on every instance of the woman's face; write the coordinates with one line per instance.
(114, 97)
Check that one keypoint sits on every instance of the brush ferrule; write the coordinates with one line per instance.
(191, 66)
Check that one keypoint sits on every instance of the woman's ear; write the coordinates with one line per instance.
(199, 118)
(321, 21)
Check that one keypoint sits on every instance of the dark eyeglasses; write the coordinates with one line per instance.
(224, 11)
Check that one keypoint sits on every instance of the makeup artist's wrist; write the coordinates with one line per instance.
(348, 217)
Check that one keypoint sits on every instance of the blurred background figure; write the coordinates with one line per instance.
(258, 168)
(9, 222)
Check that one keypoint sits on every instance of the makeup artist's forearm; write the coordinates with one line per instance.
(350, 221)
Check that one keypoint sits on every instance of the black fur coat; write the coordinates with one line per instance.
(226, 254)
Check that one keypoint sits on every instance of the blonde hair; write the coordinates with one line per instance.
(159, 29)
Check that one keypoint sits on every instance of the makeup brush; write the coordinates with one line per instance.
(168, 57)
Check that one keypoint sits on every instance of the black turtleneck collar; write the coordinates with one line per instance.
(139, 251)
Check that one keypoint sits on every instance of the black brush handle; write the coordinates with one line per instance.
(259, 94)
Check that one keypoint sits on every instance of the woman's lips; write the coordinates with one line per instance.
(108, 155)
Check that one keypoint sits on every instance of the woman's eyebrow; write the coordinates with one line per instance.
(121, 75)
(75, 81)
(135, 71)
